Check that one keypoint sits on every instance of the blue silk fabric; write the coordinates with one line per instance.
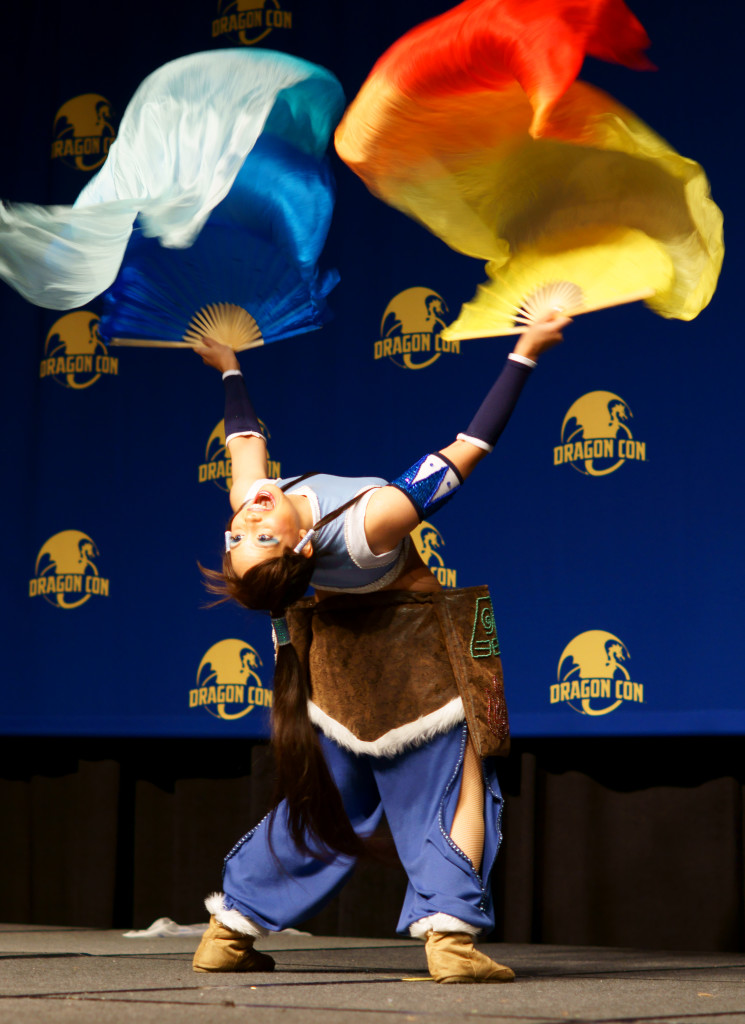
(259, 249)
(216, 190)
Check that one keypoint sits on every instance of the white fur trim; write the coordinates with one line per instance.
(441, 923)
(391, 743)
(233, 919)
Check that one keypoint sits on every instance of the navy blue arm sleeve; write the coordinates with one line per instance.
(496, 409)
(433, 480)
(240, 418)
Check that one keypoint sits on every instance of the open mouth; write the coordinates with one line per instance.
(264, 500)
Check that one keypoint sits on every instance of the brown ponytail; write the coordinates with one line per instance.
(316, 817)
(317, 821)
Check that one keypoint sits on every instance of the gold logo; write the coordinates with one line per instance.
(410, 330)
(428, 542)
(249, 21)
(83, 132)
(74, 353)
(217, 465)
(65, 573)
(596, 436)
(592, 674)
(228, 683)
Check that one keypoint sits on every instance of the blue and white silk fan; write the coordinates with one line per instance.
(209, 215)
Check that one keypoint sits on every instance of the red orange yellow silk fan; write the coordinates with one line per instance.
(473, 124)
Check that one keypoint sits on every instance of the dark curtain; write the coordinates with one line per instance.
(622, 842)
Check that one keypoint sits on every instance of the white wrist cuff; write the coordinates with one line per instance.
(231, 373)
(476, 442)
(243, 433)
(522, 359)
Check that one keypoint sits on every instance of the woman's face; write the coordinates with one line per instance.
(263, 528)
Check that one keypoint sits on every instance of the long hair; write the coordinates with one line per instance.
(316, 817)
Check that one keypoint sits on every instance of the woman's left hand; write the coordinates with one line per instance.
(213, 353)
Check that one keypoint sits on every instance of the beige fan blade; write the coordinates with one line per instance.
(567, 298)
(611, 270)
(229, 324)
(554, 297)
(562, 297)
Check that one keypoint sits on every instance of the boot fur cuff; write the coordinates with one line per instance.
(441, 923)
(233, 919)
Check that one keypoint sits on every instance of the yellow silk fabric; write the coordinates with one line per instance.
(599, 199)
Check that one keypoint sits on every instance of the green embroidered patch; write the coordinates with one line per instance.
(484, 639)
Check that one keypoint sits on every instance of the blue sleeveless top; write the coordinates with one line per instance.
(345, 562)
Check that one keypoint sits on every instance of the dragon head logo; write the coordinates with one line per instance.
(410, 329)
(74, 354)
(228, 682)
(596, 436)
(250, 21)
(593, 678)
(83, 132)
(66, 573)
(217, 465)
(429, 542)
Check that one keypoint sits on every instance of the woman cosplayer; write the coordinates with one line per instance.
(388, 690)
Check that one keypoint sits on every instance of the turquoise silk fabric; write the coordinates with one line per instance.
(232, 140)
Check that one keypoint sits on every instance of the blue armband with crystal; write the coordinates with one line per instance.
(240, 418)
(429, 483)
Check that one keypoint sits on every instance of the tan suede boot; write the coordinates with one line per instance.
(224, 950)
(452, 960)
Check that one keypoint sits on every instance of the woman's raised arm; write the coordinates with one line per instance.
(243, 437)
(394, 511)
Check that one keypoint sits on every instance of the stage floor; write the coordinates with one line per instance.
(74, 974)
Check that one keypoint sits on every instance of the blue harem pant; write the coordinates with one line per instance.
(418, 791)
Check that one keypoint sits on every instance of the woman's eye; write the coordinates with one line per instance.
(266, 539)
(235, 539)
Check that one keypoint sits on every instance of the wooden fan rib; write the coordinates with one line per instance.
(227, 323)
(147, 343)
(503, 331)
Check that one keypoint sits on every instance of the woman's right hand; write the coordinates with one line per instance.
(213, 353)
(542, 335)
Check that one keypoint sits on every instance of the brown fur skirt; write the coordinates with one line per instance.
(390, 669)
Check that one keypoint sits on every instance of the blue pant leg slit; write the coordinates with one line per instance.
(419, 793)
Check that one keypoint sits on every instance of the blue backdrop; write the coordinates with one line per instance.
(608, 523)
